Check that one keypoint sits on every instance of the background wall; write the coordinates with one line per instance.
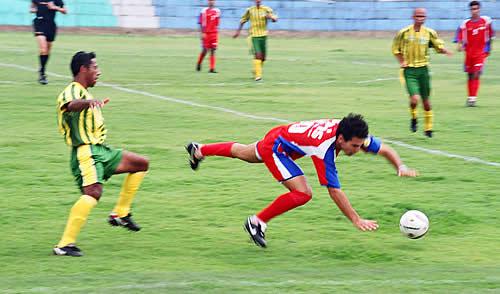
(321, 15)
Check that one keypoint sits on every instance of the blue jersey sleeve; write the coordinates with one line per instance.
(326, 169)
(372, 144)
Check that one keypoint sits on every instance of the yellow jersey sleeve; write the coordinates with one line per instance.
(397, 43)
(246, 16)
(435, 41)
(72, 92)
(270, 11)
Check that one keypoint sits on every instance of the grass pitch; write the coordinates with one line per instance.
(192, 239)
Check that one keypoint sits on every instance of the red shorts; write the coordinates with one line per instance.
(474, 63)
(210, 41)
(281, 165)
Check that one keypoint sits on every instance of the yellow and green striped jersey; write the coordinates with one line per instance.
(79, 128)
(258, 20)
(414, 46)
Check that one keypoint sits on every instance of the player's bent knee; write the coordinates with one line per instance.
(94, 191)
(302, 198)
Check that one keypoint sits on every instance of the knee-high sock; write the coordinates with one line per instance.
(474, 88)
(283, 204)
(77, 219)
(428, 117)
(212, 61)
(257, 63)
(129, 189)
(43, 63)
(217, 149)
(201, 56)
(413, 113)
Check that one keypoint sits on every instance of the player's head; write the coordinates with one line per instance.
(211, 3)
(84, 66)
(351, 133)
(419, 16)
(258, 2)
(475, 8)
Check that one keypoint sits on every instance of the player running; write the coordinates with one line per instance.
(474, 37)
(258, 16)
(322, 140)
(411, 48)
(209, 21)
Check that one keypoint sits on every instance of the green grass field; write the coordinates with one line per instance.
(192, 239)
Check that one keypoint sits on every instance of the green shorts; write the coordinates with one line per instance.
(259, 45)
(92, 164)
(418, 81)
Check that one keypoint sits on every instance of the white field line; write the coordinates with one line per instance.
(256, 117)
(235, 283)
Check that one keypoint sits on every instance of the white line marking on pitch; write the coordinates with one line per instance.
(257, 117)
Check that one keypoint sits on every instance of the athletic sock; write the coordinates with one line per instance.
(475, 88)
(76, 220)
(283, 204)
(200, 57)
(428, 117)
(129, 188)
(413, 113)
(469, 87)
(43, 62)
(212, 61)
(217, 149)
(257, 67)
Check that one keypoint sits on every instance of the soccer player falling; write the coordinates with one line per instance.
(474, 37)
(209, 23)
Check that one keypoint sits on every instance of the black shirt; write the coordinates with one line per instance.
(43, 12)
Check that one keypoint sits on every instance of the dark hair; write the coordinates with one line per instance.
(474, 3)
(351, 126)
(81, 58)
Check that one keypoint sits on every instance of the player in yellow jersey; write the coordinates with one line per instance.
(80, 121)
(411, 48)
(258, 16)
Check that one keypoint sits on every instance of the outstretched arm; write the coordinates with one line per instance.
(52, 6)
(392, 156)
(339, 197)
(238, 30)
(81, 104)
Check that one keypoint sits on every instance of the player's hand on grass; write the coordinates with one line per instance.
(404, 171)
(366, 225)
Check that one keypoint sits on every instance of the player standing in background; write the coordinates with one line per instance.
(45, 30)
(411, 48)
(258, 16)
(208, 20)
(474, 37)
(80, 121)
(322, 140)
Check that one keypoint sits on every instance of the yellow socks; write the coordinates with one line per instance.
(428, 117)
(129, 188)
(77, 218)
(413, 112)
(257, 63)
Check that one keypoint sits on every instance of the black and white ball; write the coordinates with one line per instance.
(414, 224)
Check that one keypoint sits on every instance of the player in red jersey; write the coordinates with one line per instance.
(322, 140)
(474, 37)
(208, 20)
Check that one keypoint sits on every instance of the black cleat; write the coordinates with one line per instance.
(191, 149)
(256, 232)
(198, 67)
(68, 250)
(212, 71)
(413, 125)
(43, 79)
(428, 133)
(126, 222)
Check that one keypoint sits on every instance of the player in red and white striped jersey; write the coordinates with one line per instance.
(209, 20)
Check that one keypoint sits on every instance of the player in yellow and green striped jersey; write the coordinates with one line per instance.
(411, 48)
(258, 16)
(80, 121)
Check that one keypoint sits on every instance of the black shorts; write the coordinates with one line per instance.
(44, 28)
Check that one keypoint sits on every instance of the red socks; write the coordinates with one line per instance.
(473, 87)
(217, 149)
(200, 58)
(283, 204)
(212, 61)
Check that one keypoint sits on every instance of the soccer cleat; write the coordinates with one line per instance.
(256, 231)
(198, 67)
(68, 250)
(470, 103)
(191, 149)
(126, 222)
(212, 71)
(413, 125)
(43, 79)
(428, 133)
(258, 79)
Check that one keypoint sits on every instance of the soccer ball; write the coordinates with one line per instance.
(414, 224)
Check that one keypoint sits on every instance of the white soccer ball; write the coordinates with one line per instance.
(414, 224)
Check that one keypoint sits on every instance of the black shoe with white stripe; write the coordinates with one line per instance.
(68, 250)
(256, 229)
(191, 149)
(126, 222)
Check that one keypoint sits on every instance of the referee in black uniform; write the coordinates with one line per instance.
(45, 29)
